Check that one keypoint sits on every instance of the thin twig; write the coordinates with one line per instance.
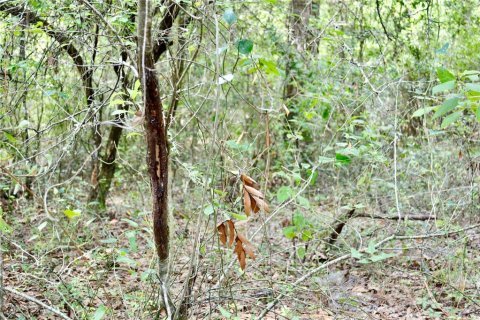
(346, 256)
(40, 303)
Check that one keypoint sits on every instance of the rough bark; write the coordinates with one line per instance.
(157, 145)
(104, 175)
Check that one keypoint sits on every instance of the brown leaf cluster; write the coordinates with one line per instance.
(243, 247)
(253, 198)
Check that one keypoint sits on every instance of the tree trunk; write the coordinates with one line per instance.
(102, 176)
(157, 145)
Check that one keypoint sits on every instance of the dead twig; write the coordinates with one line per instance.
(40, 303)
(346, 256)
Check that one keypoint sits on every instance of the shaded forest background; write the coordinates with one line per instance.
(312, 159)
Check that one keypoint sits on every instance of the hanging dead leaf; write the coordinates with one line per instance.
(247, 245)
(231, 232)
(222, 230)
(247, 180)
(254, 192)
(253, 199)
(247, 203)
(240, 253)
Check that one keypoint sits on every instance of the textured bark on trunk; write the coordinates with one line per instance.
(157, 146)
(103, 176)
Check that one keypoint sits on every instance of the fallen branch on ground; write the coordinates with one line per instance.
(346, 256)
(40, 303)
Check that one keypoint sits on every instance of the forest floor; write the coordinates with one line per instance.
(102, 267)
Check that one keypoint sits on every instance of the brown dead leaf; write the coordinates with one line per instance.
(222, 230)
(247, 203)
(240, 253)
(247, 180)
(231, 232)
(253, 199)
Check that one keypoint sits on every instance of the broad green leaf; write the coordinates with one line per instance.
(116, 102)
(307, 234)
(473, 86)
(269, 66)
(99, 313)
(208, 210)
(298, 219)
(229, 16)
(449, 85)
(422, 111)
(450, 119)
(301, 252)
(4, 227)
(132, 240)
(70, 214)
(477, 113)
(224, 312)
(130, 222)
(355, 253)
(9, 137)
(446, 107)
(238, 216)
(284, 193)
(342, 159)
(371, 248)
(126, 260)
(289, 232)
(444, 75)
(245, 46)
(382, 256)
(303, 202)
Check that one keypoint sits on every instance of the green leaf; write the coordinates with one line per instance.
(473, 87)
(301, 252)
(224, 312)
(371, 248)
(355, 253)
(382, 256)
(303, 202)
(447, 106)
(99, 313)
(477, 113)
(208, 210)
(342, 159)
(229, 16)
(132, 240)
(116, 102)
(245, 46)
(289, 232)
(444, 75)
(307, 235)
(70, 214)
(126, 260)
(4, 227)
(422, 111)
(449, 85)
(9, 137)
(238, 216)
(298, 219)
(284, 193)
(450, 119)
(130, 222)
